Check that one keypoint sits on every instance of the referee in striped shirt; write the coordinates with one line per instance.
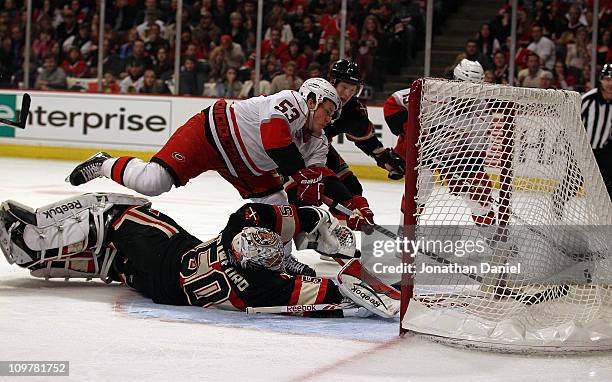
(597, 118)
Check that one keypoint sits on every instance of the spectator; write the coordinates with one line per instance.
(574, 21)
(68, 26)
(530, 77)
(487, 43)
(231, 51)
(541, 17)
(80, 40)
(310, 35)
(314, 70)
(41, 46)
(579, 53)
(151, 18)
(122, 16)
(276, 19)
(207, 33)
(286, 81)
(196, 51)
(500, 68)
(604, 48)
(229, 87)
(191, 81)
(471, 53)
(275, 46)
(546, 80)
(489, 77)
(558, 23)
(323, 55)
(154, 41)
(218, 65)
(562, 78)
(134, 80)
(271, 67)
(162, 65)
(369, 58)
(128, 47)
(332, 27)
(151, 85)
(543, 47)
(111, 62)
(248, 89)
(74, 65)
(298, 57)
(220, 14)
(138, 54)
(141, 16)
(109, 84)
(51, 77)
(237, 30)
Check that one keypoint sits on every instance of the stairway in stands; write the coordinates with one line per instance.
(460, 26)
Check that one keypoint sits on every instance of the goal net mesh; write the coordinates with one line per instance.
(513, 217)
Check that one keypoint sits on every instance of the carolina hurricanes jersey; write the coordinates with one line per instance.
(269, 122)
(398, 100)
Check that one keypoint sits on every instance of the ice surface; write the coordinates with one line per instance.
(109, 332)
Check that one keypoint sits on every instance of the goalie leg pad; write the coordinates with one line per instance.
(380, 299)
(60, 229)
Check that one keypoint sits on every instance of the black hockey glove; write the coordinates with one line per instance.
(390, 161)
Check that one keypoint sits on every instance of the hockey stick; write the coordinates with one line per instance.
(298, 308)
(546, 295)
(23, 115)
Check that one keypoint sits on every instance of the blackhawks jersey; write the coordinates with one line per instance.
(164, 262)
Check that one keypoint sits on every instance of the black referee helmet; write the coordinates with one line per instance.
(606, 71)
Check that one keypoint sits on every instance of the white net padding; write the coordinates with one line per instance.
(511, 170)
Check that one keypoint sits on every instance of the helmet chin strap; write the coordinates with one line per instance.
(311, 113)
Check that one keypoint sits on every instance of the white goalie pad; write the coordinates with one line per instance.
(373, 298)
(328, 236)
(63, 226)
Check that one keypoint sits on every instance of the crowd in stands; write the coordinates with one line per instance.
(218, 41)
(554, 49)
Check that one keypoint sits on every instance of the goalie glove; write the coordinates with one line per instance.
(362, 214)
(390, 161)
(309, 184)
(373, 295)
(328, 236)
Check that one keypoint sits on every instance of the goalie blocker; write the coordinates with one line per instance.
(120, 238)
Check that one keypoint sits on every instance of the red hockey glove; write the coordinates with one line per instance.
(390, 161)
(362, 214)
(309, 185)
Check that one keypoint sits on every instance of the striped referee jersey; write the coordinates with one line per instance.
(597, 118)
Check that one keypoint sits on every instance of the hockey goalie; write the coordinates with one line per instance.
(120, 238)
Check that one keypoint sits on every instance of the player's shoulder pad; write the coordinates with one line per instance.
(289, 105)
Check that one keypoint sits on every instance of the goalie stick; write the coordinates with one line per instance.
(23, 114)
(501, 290)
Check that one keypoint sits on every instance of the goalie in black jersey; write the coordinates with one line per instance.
(121, 238)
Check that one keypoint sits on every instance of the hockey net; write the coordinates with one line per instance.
(510, 170)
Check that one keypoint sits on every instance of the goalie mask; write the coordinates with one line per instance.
(470, 71)
(258, 248)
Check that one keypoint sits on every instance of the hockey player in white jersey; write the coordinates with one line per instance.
(460, 129)
(247, 142)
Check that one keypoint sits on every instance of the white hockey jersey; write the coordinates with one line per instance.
(267, 122)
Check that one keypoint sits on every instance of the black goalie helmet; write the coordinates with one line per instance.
(345, 71)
